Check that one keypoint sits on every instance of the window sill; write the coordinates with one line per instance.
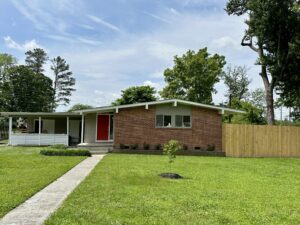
(175, 128)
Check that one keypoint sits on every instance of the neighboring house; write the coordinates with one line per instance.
(193, 124)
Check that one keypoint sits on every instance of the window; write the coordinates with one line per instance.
(178, 121)
(182, 121)
(187, 121)
(159, 120)
(163, 121)
(167, 121)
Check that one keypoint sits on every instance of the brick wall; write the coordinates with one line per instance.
(137, 126)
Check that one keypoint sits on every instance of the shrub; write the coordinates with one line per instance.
(158, 147)
(185, 147)
(134, 146)
(122, 146)
(210, 147)
(171, 148)
(65, 152)
(146, 146)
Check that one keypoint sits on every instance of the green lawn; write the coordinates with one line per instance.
(126, 189)
(23, 172)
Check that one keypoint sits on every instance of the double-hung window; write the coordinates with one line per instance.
(183, 121)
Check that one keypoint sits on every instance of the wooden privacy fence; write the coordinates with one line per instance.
(261, 140)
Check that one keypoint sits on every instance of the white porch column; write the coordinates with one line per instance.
(68, 122)
(40, 129)
(9, 130)
(82, 128)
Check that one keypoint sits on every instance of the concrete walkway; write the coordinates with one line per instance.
(37, 209)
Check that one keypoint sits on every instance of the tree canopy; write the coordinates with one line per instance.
(136, 94)
(272, 31)
(79, 106)
(237, 82)
(193, 76)
(35, 59)
(27, 91)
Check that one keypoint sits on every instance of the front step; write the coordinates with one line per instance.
(97, 148)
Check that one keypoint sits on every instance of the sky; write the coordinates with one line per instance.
(112, 45)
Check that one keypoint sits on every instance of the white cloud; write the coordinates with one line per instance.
(226, 42)
(157, 17)
(28, 45)
(103, 22)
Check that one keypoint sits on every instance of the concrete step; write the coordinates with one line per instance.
(102, 144)
(98, 152)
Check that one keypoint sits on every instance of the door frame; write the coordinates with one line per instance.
(96, 134)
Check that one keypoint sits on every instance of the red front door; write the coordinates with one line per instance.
(103, 127)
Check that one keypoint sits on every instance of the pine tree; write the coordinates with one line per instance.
(36, 59)
(63, 81)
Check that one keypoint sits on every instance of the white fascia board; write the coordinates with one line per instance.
(38, 114)
(173, 101)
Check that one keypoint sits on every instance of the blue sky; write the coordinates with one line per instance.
(111, 45)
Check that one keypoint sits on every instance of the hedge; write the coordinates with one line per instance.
(71, 152)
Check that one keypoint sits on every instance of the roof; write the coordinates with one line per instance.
(116, 108)
(52, 114)
(170, 101)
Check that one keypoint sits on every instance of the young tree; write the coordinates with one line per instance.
(79, 106)
(27, 91)
(63, 81)
(272, 27)
(136, 94)
(193, 76)
(36, 59)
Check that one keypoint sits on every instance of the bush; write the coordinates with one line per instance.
(171, 148)
(122, 146)
(65, 152)
(158, 147)
(210, 148)
(146, 146)
(134, 146)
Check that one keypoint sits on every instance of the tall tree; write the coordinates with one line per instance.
(136, 94)
(271, 29)
(35, 59)
(25, 90)
(193, 76)
(6, 62)
(237, 82)
(63, 81)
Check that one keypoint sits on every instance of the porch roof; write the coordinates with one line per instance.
(48, 114)
(171, 101)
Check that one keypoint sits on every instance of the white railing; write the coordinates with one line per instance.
(38, 139)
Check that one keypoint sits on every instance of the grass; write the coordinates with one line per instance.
(126, 189)
(23, 172)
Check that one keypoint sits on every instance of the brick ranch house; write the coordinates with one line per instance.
(195, 125)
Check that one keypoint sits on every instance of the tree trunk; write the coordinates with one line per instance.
(270, 105)
(269, 87)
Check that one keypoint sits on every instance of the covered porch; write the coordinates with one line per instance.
(44, 129)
